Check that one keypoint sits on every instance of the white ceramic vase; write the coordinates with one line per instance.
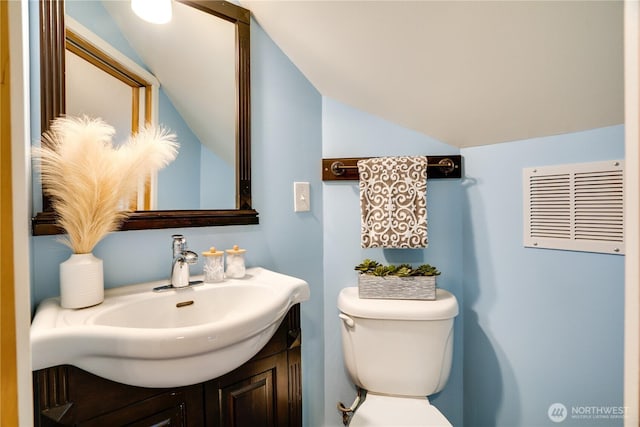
(81, 281)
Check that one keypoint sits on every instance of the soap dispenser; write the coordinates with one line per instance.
(235, 263)
(213, 266)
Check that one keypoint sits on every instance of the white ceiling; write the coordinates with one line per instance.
(464, 72)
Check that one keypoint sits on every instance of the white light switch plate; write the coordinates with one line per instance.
(301, 200)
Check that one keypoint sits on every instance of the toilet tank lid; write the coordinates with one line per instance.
(445, 306)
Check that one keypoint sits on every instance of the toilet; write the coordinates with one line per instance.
(400, 352)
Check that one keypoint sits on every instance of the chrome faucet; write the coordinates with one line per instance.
(182, 258)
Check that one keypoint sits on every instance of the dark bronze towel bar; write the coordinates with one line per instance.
(340, 169)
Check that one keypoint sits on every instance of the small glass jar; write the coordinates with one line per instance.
(213, 266)
(235, 263)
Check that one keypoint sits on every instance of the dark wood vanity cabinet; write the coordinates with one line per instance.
(265, 391)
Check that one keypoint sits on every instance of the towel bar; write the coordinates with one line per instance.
(337, 169)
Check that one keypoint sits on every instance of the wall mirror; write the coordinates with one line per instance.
(205, 127)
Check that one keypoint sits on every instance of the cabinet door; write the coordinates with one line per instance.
(254, 395)
(69, 396)
(165, 410)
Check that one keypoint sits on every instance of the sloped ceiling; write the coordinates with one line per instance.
(465, 72)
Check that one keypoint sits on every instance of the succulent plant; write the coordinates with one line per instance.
(404, 271)
(367, 266)
(372, 267)
(381, 270)
(426, 270)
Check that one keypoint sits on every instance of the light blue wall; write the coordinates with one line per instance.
(351, 133)
(185, 170)
(541, 326)
(286, 145)
(214, 174)
(286, 140)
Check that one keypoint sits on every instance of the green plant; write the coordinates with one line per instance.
(372, 267)
(367, 266)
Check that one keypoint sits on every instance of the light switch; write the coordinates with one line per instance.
(301, 200)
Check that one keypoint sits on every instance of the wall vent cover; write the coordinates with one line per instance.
(576, 207)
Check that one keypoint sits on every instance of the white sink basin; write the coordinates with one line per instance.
(168, 339)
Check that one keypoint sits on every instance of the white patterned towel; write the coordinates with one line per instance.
(393, 202)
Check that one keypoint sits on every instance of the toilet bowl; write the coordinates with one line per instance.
(400, 352)
(395, 411)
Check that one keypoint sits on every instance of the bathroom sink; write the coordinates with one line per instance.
(228, 304)
(168, 339)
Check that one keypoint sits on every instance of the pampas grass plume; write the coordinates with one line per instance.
(89, 181)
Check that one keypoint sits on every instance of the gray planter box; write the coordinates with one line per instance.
(394, 287)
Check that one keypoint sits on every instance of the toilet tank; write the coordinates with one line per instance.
(398, 347)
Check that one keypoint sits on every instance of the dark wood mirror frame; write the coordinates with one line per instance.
(52, 86)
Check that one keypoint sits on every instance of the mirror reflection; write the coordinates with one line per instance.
(184, 75)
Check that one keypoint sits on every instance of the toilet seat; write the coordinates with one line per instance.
(395, 411)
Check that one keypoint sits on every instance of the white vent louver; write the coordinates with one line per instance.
(575, 207)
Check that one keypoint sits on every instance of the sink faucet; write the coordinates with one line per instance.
(181, 260)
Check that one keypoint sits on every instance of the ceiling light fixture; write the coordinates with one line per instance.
(154, 11)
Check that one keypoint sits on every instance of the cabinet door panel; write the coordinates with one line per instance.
(166, 410)
(254, 395)
(249, 402)
(69, 396)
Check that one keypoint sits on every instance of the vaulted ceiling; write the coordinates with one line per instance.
(465, 72)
